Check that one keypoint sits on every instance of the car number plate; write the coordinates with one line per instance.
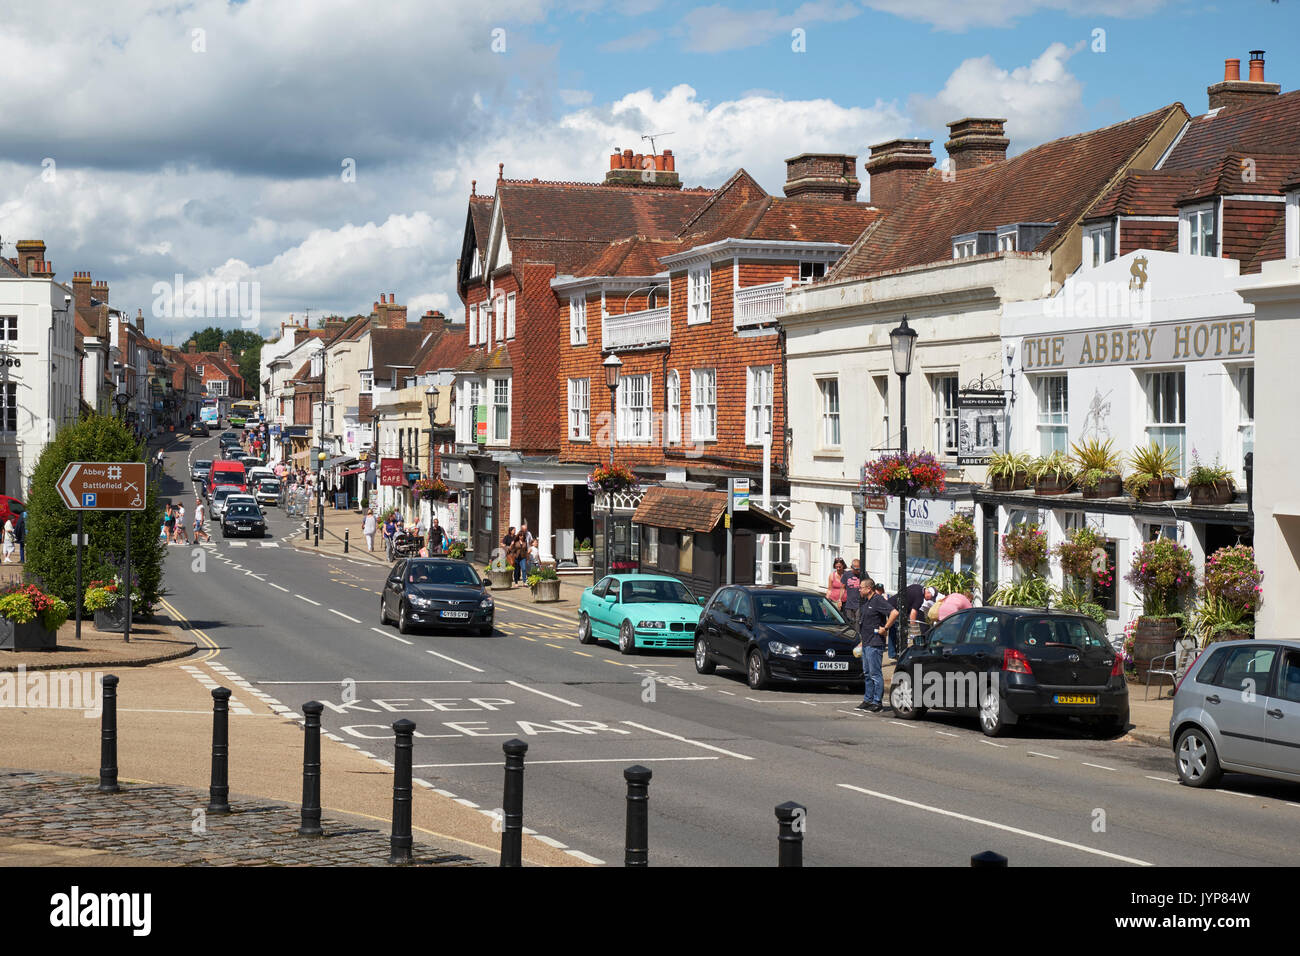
(458, 615)
(1074, 699)
(831, 666)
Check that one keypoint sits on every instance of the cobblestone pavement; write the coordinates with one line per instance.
(156, 824)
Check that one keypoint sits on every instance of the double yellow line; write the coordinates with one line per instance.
(213, 648)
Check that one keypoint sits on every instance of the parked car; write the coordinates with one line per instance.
(436, 591)
(1007, 663)
(219, 496)
(199, 430)
(1237, 709)
(638, 610)
(776, 635)
(10, 508)
(242, 517)
(200, 469)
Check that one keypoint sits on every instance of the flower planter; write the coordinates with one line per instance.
(584, 558)
(113, 619)
(1231, 636)
(31, 636)
(1106, 488)
(1153, 637)
(1053, 486)
(501, 579)
(1160, 489)
(1018, 483)
(546, 592)
(1219, 493)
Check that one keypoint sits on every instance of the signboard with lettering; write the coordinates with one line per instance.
(740, 494)
(981, 425)
(391, 473)
(1156, 344)
(480, 424)
(104, 485)
(923, 514)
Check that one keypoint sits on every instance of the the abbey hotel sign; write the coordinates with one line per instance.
(1163, 344)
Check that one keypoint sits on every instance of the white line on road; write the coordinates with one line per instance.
(477, 670)
(347, 617)
(727, 692)
(578, 854)
(542, 693)
(1236, 793)
(944, 733)
(1035, 753)
(307, 599)
(992, 744)
(393, 636)
(277, 587)
(901, 724)
(335, 683)
(996, 826)
(497, 763)
(686, 740)
(270, 544)
(1171, 780)
(250, 574)
(852, 713)
(1097, 766)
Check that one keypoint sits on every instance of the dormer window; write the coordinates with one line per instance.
(811, 271)
(1198, 231)
(964, 249)
(1098, 245)
(1007, 242)
(974, 243)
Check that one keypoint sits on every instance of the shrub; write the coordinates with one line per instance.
(1233, 577)
(24, 604)
(1025, 545)
(1207, 476)
(1008, 464)
(955, 536)
(1033, 590)
(1164, 572)
(456, 550)
(545, 573)
(954, 582)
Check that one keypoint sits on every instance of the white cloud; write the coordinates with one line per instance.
(716, 28)
(957, 17)
(633, 41)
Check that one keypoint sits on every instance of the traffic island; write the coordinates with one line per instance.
(150, 644)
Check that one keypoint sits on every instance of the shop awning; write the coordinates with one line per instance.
(354, 471)
(338, 460)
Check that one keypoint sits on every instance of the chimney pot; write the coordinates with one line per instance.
(1234, 93)
(976, 141)
(1231, 70)
(1257, 66)
(615, 159)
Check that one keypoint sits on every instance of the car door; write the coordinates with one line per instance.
(393, 589)
(1282, 718)
(737, 627)
(977, 652)
(600, 612)
(931, 660)
(1236, 704)
(714, 618)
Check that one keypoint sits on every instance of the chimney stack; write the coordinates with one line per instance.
(822, 176)
(99, 291)
(139, 318)
(1234, 93)
(895, 168)
(191, 347)
(30, 252)
(645, 170)
(432, 321)
(42, 270)
(81, 289)
(976, 141)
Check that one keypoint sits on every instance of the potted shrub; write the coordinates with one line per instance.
(954, 582)
(1153, 473)
(1025, 545)
(1008, 471)
(456, 550)
(501, 573)
(110, 605)
(583, 552)
(545, 584)
(1074, 599)
(1229, 598)
(30, 619)
(1032, 590)
(908, 474)
(1098, 468)
(1164, 574)
(1052, 474)
(1083, 560)
(955, 536)
(1210, 484)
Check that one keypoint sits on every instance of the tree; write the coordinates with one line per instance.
(50, 525)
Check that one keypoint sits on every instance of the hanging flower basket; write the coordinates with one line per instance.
(906, 475)
(431, 489)
(611, 479)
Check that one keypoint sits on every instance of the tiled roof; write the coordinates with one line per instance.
(394, 347)
(1273, 246)
(1238, 173)
(480, 209)
(8, 270)
(1145, 192)
(637, 256)
(741, 188)
(1055, 182)
(350, 331)
(450, 349)
(1273, 126)
(481, 360)
(684, 509)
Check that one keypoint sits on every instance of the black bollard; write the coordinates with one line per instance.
(315, 532)
(512, 837)
(988, 858)
(345, 540)
(311, 770)
(219, 791)
(108, 737)
(399, 844)
(793, 819)
(637, 843)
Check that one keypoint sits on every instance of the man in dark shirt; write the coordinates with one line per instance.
(852, 594)
(874, 619)
(909, 611)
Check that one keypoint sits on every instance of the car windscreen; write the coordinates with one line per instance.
(657, 592)
(1034, 630)
(420, 572)
(221, 494)
(242, 510)
(203, 463)
(270, 487)
(775, 607)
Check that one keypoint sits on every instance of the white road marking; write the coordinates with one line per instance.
(1035, 753)
(1097, 766)
(386, 634)
(853, 713)
(497, 763)
(992, 744)
(250, 574)
(345, 616)
(944, 733)
(686, 740)
(467, 803)
(541, 693)
(1172, 780)
(238, 544)
(270, 544)
(444, 793)
(585, 858)
(307, 599)
(902, 724)
(477, 670)
(335, 683)
(727, 692)
(1237, 793)
(551, 841)
(996, 826)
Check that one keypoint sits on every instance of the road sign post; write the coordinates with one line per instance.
(81, 540)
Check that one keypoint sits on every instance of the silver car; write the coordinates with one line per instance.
(1238, 709)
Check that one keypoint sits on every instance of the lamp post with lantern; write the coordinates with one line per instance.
(612, 365)
(902, 343)
(320, 494)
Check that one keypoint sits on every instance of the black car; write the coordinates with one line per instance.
(243, 518)
(439, 592)
(199, 430)
(227, 438)
(776, 635)
(1005, 663)
(199, 471)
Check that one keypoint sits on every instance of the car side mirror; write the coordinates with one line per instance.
(611, 597)
(486, 583)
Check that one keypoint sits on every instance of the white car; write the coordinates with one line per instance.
(256, 474)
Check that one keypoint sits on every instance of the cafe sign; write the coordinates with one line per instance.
(1157, 344)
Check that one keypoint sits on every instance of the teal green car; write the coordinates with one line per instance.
(639, 610)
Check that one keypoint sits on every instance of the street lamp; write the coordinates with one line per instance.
(320, 493)
(431, 400)
(902, 342)
(612, 366)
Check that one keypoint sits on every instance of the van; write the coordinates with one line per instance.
(227, 473)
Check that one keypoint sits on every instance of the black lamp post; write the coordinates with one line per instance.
(320, 493)
(902, 342)
(612, 366)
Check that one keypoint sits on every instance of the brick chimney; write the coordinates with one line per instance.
(42, 270)
(81, 289)
(1234, 92)
(432, 321)
(976, 141)
(895, 168)
(99, 291)
(224, 350)
(822, 176)
(139, 315)
(30, 252)
(646, 170)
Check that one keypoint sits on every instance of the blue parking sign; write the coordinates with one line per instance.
(88, 499)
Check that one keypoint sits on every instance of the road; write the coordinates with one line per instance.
(299, 626)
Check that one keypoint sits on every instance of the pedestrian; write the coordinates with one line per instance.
(957, 601)
(526, 561)
(20, 534)
(930, 596)
(852, 593)
(874, 620)
(436, 537)
(368, 529)
(508, 555)
(909, 612)
(169, 525)
(200, 517)
(9, 540)
(390, 532)
(181, 537)
(835, 584)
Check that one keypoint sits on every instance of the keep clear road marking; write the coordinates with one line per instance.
(476, 670)
(346, 617)
(996, 826)
(685, 740)
(541, 693)
(393, 636)
(307, 599)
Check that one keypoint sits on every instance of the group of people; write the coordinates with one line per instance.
(519, 547)
(173, 527)
(883, 622)
(434, 542)
(15, 537)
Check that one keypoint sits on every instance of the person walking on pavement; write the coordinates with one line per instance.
(169, 525)
(852, 593)
(390, 532)
(522, 566)
(368, 529)
(436, 537)
(9, 541)
(835, 584)
(508, 553)
(874, 620)
(20, 535)
(200, 517)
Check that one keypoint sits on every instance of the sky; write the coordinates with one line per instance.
(323, 152)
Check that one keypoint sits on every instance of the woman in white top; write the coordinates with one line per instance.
(368, 529)
(9, 540)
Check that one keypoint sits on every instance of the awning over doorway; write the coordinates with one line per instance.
(692, 509)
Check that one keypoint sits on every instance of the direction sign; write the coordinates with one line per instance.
(104, 485)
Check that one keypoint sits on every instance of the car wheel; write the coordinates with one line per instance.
(756, 671)
(1195, 759)
(626, 639)
(403, 625)
(704, 664)
(992, 719)
(584, 629)
(383, 612)
(485, 630)
(902, 697)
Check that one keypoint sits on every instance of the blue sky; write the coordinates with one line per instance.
(142, 139)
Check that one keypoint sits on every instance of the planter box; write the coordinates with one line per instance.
(1019, 483)
(31, 636)
(1162, 489)
(1219, 493)
(1053, 486)
(546, 592)
(1153, 637)
(584, 558)
(113, 620)
(1106, 488)
(501, 579)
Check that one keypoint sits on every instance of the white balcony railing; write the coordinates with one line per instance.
(759, 304)
(636, 329)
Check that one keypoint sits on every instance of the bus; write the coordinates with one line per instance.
(242, 411)
(210, 413)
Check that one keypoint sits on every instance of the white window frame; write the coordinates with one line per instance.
(830, 435)
(1292, 224)
(1007, 242)
(812, 266)
(945, 414)
(494, 435)
(704, 404)
(1243, 377)
(9, 331)
(484, 324)
(1053, 422)
(1162, 421)
(475, 397)
(699, 287)
(579, 409)
(674, 410)
(1098, 245)
(578, 320)
(635, 422)
(367, 381)
(759, 392)
(880, 384)
(964, 249)
(510, 315)
(830, 534)
(473, 325)
(651, 545)
(8, 407)
(500, 317)
(1191, 229)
